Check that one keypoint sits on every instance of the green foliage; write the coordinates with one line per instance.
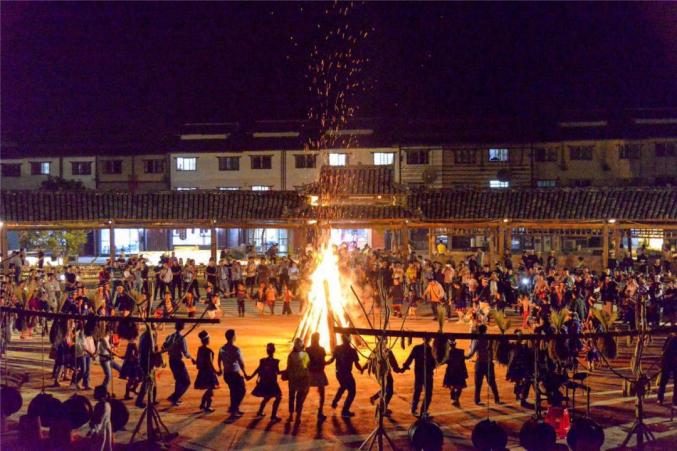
(605, 319)
(56, 242)
(557, 319)
(61, 184)
(499, 318)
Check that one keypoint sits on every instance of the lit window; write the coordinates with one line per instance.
(498, 184)
(186, 188)
(546, 183)
(186, 164)
(40, 167)
(417, 157)
(384, 158)
(262, 162)
(81, 167)
(11, 169)
(305, 161)
(260, 188)
(229, 188)
(498, 154)
(229, 163)
(338, 159)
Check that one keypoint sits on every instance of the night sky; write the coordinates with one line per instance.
(138, 70)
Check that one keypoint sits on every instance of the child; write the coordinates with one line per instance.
(261, 298)
(241, 295)
(271, 296)
(190, 304)
(266, 385)
(206, 373)
(131, 369)
(413, 300)
(214, 306)
(101, 428)
(592, 356)
(287, 297)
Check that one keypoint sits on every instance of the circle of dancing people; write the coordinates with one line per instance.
(547, 298)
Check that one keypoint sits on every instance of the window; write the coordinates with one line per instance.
(112, 167)
(580, 183)
(580, 152)
(11, 169)
(417, 157)
(546, 183)
(260, 188)
(186, 188)
(229, 163)
(665, 150)
(629, 151)
(542, 154)
(305, 161)
(338, 159)
(40, 167)
(229, 188)
(153, 166)
(465, 156)
(384, 158)
(498, 154)
(81, 167)
(186, 164)
(499, 184)
(262, 162)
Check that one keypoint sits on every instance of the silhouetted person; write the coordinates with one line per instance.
(669, 368)
(177, 349)
(424, 366)
(232, 364)
(345, 356)
(484, 365)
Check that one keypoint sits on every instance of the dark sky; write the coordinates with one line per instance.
(140, 69)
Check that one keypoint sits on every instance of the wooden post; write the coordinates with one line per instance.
(618, 238)
(501, 242)
(605, 246)
(4, 248)
(431, 243)
(491, 250)
(508, 239)
(111, 242)
(213, 242)
(405, 239)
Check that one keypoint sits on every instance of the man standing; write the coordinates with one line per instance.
(484, 365)
(669, 368)
(434, 292)
(175, 345)
(345, 355)
(424, 365)
(232, 364)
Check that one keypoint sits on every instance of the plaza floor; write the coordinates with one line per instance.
(200, 431)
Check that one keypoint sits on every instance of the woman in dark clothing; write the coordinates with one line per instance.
(520, 370)
(206, 373)
(456, 373)
(131, 369)
(266, 385)
(316, 366)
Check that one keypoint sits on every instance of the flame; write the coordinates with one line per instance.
(315, 318)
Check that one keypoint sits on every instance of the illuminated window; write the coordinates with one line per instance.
(260, 188)
(40, 167)
(384, 158)
(229, 188)
(81, 167)
(186, 188)
(498, 184)
(498, 154)
(305, 161)
(417, 157)
(262, 162)
(338, 159)
(186, 164)
(229, 163)
(11, 169)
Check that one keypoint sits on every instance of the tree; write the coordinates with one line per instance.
(56, 242)
(61, 184)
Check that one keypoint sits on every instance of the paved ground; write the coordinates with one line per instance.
(201, 431)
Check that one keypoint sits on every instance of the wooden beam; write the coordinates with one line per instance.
(213, 243)
(605, 246)
(491, 234)
(111, 241)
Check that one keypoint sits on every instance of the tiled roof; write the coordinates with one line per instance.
(355, 181)
(635, 204)
(354, 213)
(582, 204)
(92, 206)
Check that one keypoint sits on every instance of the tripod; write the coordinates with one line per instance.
(639, 428)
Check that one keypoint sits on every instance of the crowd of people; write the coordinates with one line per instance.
(546, 297)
